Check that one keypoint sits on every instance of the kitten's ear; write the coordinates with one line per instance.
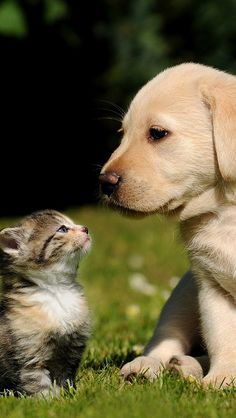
(10, 240)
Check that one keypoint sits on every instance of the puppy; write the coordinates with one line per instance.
(178, 157)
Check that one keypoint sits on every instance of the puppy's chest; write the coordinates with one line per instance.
(213, 252)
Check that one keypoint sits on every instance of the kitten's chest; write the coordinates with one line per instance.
(57, 308)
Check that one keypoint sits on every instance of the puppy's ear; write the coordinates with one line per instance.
(222, 103)
(10, 240)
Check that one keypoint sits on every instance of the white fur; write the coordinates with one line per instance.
(62, 303)
(58, 295)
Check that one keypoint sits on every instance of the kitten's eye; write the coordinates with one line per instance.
(156, 133)
(63, 229)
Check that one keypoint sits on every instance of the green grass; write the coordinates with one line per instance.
(124, 320)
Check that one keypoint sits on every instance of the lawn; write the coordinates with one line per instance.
(127, 277)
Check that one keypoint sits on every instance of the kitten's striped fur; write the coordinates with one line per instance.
(44, 319)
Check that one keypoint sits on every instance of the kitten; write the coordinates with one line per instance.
(44, 318)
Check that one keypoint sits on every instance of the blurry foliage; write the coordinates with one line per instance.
(138, 48)
(79, 59)
(55, 10)
(132, 40)
(202, 31)
(145, 36)
(12, 19)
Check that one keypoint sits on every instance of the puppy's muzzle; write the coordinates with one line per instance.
(109, 182)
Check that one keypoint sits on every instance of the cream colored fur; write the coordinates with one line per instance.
(191, 172)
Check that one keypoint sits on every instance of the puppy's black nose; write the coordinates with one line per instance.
(109, 182)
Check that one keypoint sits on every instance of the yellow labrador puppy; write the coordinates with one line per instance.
(178, 156)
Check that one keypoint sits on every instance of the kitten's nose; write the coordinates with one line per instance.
(84, 229)
(109, 182)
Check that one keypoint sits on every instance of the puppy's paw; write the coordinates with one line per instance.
(186, 366)
(148, 367)
(221, 379)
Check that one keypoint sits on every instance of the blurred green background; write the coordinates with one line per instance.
(66, 63)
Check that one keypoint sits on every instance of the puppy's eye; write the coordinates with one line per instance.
(156, 133)
(63, 229)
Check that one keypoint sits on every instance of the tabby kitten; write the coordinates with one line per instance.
(44, 319)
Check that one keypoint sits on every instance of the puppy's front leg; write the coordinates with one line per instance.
(176, 332)
(218, 316)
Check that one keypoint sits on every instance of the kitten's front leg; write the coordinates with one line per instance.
(218, 316)
(37, 382)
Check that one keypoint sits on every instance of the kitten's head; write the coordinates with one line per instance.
(42, 240)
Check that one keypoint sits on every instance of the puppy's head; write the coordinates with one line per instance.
(178, 141)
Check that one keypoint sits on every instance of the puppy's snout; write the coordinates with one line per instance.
(109, 182)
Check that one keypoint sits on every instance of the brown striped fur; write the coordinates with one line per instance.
(44, 318)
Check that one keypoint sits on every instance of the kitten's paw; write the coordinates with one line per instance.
(186, 366)
(148, 367)
(48, 393)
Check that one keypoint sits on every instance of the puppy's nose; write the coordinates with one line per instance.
(109, 182)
